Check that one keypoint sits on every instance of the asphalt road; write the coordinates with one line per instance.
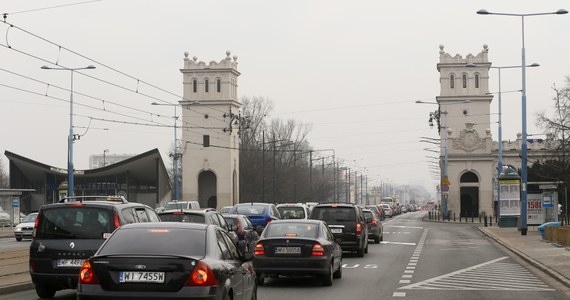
(417, 260)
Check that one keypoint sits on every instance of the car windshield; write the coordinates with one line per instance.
(334, 214)
(250, 210)
(176, 205)
(177, 217)
(291, 230)
(75, 222)
(291, 212)
(30, 218)
(156, 241)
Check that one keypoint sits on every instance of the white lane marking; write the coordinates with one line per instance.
(397, 243)
(411, 268)
(409, 271)
(407, 276)
(398, 294)
(412, 264)
(400, 226)
(405, 281)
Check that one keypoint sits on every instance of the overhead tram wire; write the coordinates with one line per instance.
(103, 65)
(5, 15)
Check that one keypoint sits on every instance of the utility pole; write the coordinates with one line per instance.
(263, 166)
(361, 200)
(311, 173)
(274, 170)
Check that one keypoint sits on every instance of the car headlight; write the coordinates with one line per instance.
(18, 229)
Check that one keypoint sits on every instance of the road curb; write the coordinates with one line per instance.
(14, 288)
(552, 273)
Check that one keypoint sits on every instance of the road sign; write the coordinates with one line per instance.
(445, 181)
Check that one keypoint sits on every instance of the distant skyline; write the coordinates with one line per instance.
(352, 70)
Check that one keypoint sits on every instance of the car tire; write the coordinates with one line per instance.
(338, 273)
(19, 239)
(360, 252)
(327, 279)
(377, 239)
(260, 277)
(382, 237)
(366, 248)
(44, 291)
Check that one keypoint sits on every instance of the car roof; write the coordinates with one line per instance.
(291, 205)
(366, 210)
(304, 221)
(180, 225)
(199, 211)
(252, 203)
(335, 204)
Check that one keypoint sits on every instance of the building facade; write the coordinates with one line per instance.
(210, 142)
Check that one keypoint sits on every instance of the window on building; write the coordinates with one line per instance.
(452, 81)
(476, 81)
(464, 81)
(206, 86)
(469, 177)
(206, 141)
(219, 85)
(195, 85)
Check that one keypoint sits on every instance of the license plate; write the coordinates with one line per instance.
(73, 263)
(147, 277)
(288, 250)
(336, 230)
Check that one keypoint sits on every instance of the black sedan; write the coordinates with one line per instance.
(167, 260)
(297, 247)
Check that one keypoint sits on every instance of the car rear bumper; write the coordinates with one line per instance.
(95, 291)
(291, 266)
(57, 281)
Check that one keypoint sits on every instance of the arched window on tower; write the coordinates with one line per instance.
(206, 85)
(476, 81)
(464, 77)
(195, 85)
(218, 85)
(469, 177)
(452, 81)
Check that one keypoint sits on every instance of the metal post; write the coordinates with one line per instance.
(263, 166)
(71, 138)
(524, 179)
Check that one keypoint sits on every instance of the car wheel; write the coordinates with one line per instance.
(328, 278)
(366, 248)
(19, 239)
(44, 291)
(377, 239)
(382, 236)
(360, 252)
(260, 277)
(338, 273)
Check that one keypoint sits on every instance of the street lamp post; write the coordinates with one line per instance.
(524, 177)
(445, 177)
(176, 156)
(71, 136)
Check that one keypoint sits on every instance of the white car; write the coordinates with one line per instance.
(293, 211)
(4, 218)
(26, 228)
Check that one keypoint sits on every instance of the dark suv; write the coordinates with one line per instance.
(68, 232)
(347, 224)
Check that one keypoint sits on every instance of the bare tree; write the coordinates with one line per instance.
(4, 179)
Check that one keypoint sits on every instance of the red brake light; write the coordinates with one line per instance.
(116, 220)
(36, 223)
(318, 250)
(202, 275)
(374, 222)
(358, 228)
(259, 250)
(86, 275)
(267, 221)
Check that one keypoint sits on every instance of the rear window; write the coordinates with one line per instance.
(156, 241)
(250, 210)
(173, 217)
(334, 214)
(368, 214)
(291, 230)
(75, 222)
(293, 212)
(178, 205)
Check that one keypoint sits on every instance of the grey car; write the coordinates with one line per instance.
(375, 228)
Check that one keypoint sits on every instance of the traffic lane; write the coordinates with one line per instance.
(458, 261)
(31, 295)
(368, 277)
(10, 243)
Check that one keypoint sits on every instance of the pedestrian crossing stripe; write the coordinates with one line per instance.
(491, 275)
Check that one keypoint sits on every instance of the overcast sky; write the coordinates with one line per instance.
(352, 69)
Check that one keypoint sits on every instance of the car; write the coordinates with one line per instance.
(377, 210)
(375, 228)
(226, 209)
(293, 211)
(26, 227)
(69, 232)
(387, 209)
(177, 204)
(245, 231)
(297, 247)
(168, 260)
(258, 213)
(205, 215)
(347, 224)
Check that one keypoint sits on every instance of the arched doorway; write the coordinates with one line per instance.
(207, 187)
(469, 190)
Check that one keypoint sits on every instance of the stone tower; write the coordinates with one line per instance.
(464, 131)
(210, 142)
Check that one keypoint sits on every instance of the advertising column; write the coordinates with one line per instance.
(510, 196)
